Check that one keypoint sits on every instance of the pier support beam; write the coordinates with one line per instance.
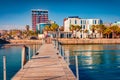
(77, 70)
(4, 68)
(23, 58)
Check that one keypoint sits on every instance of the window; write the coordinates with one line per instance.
(83, 26)
(75, 21)
(95, 21)
(70, 21)
(81, 22)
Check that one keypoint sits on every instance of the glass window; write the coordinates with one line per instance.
(75, 21)
(95, 21)
(81, 22)
(83, 26)
(70, 21)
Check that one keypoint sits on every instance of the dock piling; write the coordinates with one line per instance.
(23, 57)
(77, 70)
(29, 53)
(4, 68)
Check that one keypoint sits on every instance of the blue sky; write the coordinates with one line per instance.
(18, 12)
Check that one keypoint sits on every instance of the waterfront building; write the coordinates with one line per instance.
(84, 23)
(107, 24)
(39, 16)
(72, 20)
(117, 23)
(51, 22)
(3, 32)
(40, 27)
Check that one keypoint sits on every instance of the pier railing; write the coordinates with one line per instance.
(62, 53)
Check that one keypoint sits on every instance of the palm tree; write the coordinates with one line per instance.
(93, 29)
(75, 27)
(61, 28)
(113, 29)
(85, 31)
(54, 27)
(72, 28)
(78, 28)
(27, 27)
(100, 29)
(118, 31)
(47, 28)
(107, 32)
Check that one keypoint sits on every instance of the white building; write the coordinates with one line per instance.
(87, 23)
(75, 20)
(84, 23)
(117, 23)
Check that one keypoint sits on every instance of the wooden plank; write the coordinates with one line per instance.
(45, 66)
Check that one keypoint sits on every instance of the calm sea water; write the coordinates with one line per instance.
(96, 62)
(13, 60)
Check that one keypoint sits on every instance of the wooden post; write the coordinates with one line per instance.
(42, 41)
(4, 68)
(77, 70)
(55, 43)
(33, 50)
(23, 56)
(29, 53)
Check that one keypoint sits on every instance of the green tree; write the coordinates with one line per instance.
(27, 27)
(100, 29)
(61, 28)
(75, 27)
(118, 32)
(114, 30)
(93, 29)
(107, 32)
(47, 28)
(54, 27)
(86, 32)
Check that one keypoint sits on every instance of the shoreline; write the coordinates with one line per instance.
(66, 41)
(25, 42)
(20, 43)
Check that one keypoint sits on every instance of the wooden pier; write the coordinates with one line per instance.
(47, 65)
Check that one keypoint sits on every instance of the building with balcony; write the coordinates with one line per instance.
(84, 23)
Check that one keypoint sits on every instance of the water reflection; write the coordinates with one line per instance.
(95, 61)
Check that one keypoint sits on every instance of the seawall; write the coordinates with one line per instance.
(89, 41)
(25, 41)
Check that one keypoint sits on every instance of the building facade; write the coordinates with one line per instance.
(117, 23)
(72, 20)
(84, 23)
(39, 16)
(40, 27)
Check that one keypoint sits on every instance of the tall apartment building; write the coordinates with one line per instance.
(39, 16)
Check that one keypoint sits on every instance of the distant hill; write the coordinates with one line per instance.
(3, 41)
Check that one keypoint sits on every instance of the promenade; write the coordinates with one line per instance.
(47, 65)
(88, 41)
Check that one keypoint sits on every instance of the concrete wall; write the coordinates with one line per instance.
(25, 41)
(89, 41)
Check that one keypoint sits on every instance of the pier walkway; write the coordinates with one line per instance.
(45, 66)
